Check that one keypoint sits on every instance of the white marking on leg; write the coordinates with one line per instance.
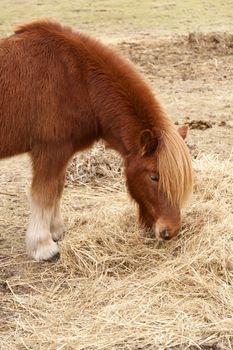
(40, 245)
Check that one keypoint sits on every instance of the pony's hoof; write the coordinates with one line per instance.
(54, 258)
(45, 252)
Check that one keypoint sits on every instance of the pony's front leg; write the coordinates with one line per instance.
(39, 242)
(45, 225)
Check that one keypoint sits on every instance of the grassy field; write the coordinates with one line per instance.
(120, 18)
(116, 288)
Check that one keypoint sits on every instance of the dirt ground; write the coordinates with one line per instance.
(192, 76)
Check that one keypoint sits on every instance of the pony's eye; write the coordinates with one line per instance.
(154, 177)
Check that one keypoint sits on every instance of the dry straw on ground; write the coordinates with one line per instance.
(115, 287)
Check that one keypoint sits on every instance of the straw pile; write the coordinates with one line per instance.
(115, 287)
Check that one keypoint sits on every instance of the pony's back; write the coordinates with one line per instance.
(41, 89)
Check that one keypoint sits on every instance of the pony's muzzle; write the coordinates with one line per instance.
(164, 231)
(165, 234)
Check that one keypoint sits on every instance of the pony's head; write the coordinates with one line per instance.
(159, 178)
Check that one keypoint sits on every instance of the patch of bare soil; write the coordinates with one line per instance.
(192, 76)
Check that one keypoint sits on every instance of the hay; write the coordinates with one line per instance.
(114, 287)
(97, 166)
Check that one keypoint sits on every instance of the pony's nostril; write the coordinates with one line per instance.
(164, 234)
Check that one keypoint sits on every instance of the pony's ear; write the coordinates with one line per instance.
(148, 142)
(183, 131)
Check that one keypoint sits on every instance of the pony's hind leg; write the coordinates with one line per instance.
(49, 165)
(57, 226)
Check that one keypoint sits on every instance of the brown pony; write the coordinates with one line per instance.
(60, 91)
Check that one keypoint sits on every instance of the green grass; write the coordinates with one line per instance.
(123, 18)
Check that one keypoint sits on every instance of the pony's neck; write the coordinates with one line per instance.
(122, 100)
(121, 125)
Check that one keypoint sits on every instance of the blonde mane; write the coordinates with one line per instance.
(175, 167)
